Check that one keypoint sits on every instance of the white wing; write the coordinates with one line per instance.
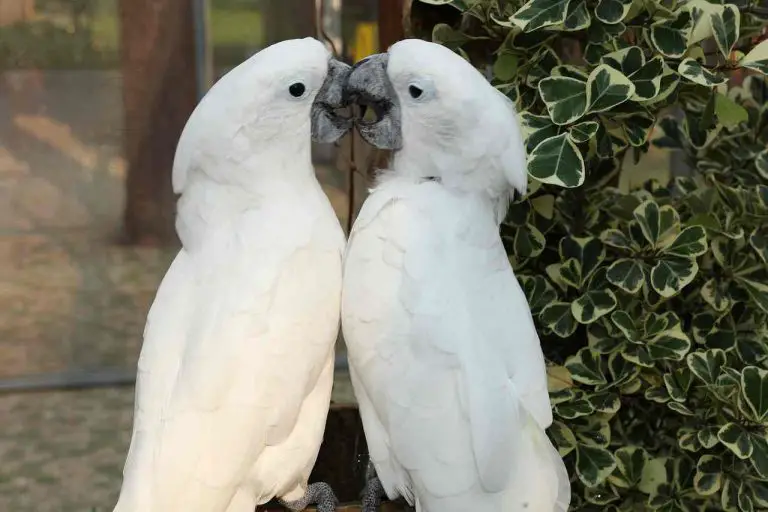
(442, 340)
(260, 327)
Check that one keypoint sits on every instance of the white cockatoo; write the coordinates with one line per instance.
(235, 373)
(443, 353)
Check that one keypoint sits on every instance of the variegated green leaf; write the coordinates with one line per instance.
(757, 58)
(725, 25)
(557, 161)
(670, 275)
(584, 131)
(537, 14)
(593, 464)
(709, 475)
(565, 97)
(707, 365)
(695, 71)
(736, 439)
(558, 318)
(607, 88)
(754, 388)
(612, 11)
(586, 367)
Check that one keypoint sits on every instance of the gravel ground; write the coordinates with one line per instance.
(64, 451)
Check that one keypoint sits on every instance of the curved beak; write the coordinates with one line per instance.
(369, 87)
(329, 123)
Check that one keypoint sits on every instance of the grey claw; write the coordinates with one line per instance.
(319, 494)
(373, 491)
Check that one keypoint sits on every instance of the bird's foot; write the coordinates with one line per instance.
(373, 491)
(319, 494)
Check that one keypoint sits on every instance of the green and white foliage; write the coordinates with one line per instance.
(616, 63)
(652, 303)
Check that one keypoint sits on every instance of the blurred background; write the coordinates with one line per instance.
(93, 97)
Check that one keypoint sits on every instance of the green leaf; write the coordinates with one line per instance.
(670, 275)
(536, 14)
(538, 291)
(671, 37)
(669, 344)
(688, 440)
(761, 163)
(658, 224)
(607, 403)
(678, 383)
(529, 242)
(715, 295)
(708, 437)
(628, 274)
(587, 251)
(601, 340)
(630, 464)
(601, 495)
(564, 97)
(616, 238)
(709, 475)
(612, 11)
(690, 243)
(694, 71)
(707, 365)
(638, 127)
(586, 367)
(593, 464)
(754, 388)
(577, 16)
(680, 408)
(606, 88)
(729, 497)
(583, 131)
(563, 438)
(447, 36)
(725, 26)
(757, 58)
(654, 476)
(558, 318)
(536, 129)
(759, 458)
(751, 351)
(574, 409)
(729, 113)
(557, 161)
(758, 239)
(505, 67)
(647, 79)
(758, 292)
(736, 439)
(593, 305)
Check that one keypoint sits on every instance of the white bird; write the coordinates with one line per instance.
(235, 372)
(444, 357)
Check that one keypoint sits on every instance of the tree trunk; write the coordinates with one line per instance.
(159, 94)
(287, 19)
(391, 20)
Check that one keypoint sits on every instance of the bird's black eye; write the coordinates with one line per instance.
(414, 91)
(297, 89)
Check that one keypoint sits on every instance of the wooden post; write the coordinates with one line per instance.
(390, 23)
(159, 94)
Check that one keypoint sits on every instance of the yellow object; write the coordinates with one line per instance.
(366, 40)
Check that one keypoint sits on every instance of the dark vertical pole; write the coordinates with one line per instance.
(390, 23)
(159, 93)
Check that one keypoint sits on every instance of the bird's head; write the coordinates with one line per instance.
(271, 104)
(441, 116)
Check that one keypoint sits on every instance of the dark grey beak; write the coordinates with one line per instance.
(369, 87)
(329, 122)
